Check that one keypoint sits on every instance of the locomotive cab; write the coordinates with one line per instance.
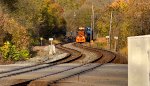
(80, 38)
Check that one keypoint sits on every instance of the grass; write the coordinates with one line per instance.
(56, 41)
(124, 52)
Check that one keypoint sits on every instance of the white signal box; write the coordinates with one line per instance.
(116, 37)
(50, 39)
(107, 37)
(51, 47)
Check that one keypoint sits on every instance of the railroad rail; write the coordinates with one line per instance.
(53, 77)
(40, 63)
(70, 57)
(106, 54)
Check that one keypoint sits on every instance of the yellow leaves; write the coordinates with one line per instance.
(102, 26)
(57, 7)
(114, 4)
(119, 4)
(48, 1)
(19, 33)
(7, 43)
(53, 8)
(123, 4)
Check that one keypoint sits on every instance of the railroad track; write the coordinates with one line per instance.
(18, 71)
(39, 63)
(49, 77)
(106, 54)
(57, 78)
(66, 59)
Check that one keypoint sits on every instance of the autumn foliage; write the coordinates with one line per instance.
(23, 22)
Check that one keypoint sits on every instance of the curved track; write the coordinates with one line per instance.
(53, 77)
(37, 64)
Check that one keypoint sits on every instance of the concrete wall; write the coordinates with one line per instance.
(138, 60)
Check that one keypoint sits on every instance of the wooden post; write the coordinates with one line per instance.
(110, 30)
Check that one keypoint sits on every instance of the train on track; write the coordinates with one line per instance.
(84, 34)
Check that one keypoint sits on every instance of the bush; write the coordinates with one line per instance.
(10, 52)
(100, 45)
(24, 54)
(5, 50)
(35, 42)
(124, 51)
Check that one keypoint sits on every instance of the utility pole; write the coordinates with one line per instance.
(91, 36)
(110, 30)
(93, 21)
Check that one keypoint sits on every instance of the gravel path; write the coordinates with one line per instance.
(41, 55)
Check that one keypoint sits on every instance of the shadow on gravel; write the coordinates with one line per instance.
(34, 53)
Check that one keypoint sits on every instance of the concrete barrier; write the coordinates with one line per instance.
(138, 60)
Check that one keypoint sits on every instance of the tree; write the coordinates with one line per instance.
(26, 20)
(119, 8)
(140, 17)
(52, 20)
(71, 4)
(9, 3)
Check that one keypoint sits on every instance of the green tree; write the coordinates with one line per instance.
(71, 4)
(52, 20)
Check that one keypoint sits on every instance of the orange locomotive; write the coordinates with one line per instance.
(80, 38)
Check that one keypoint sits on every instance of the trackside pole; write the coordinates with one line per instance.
(51, 47)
